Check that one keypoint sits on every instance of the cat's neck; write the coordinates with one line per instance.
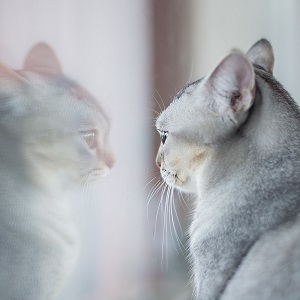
(274, 118)
(48, 191)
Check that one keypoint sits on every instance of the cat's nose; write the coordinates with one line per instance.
(158, 160)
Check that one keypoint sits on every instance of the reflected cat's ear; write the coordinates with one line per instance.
(232, 85)
(42, 57)
(8, 73)
(261, 54)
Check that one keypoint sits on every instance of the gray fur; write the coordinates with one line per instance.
(237, 146)
(43, 159)
(261, 54)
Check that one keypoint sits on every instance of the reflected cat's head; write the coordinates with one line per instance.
(52, 129)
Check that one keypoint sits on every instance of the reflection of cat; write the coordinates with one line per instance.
(53, 138)
(233, 138)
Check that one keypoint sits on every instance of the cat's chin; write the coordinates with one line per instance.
(187, 187)
(98, 173)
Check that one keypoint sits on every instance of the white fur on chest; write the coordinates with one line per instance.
(209, 210)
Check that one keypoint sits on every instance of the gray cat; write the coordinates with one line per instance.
(233, 138)
(53, 138)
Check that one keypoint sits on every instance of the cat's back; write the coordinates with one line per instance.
(271, 269)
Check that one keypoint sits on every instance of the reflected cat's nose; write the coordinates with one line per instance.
(103, 169)
(110, 160)
(106, 157)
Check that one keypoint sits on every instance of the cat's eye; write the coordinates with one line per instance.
(90, 137)
(163, 135)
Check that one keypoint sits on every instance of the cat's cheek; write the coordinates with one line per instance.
(189, 186)
(177, 174)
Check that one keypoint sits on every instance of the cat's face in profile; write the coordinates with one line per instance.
(59, 128)
(178, 157)
(201, 117)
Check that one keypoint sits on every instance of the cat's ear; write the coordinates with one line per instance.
(9, 74)
(261, 54)
(232, 85)
(42, 57)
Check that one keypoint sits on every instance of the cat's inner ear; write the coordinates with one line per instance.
(232, 85)
(42, 57)
(261, 54)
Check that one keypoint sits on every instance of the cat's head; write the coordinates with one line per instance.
(52, 128)
(207, 113)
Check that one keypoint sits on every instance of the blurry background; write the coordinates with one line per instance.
(134, 56)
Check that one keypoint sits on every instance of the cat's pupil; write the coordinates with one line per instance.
(90, 138)
(163, 136)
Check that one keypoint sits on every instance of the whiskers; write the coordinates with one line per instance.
(160, 106)
(85, 194)
(166, 218)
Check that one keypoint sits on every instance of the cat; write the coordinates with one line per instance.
(54, 138)
(232, 138)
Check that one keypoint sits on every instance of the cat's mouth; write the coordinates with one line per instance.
(97, 173)
(170, 178)
(182, 182)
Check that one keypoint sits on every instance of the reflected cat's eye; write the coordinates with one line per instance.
(163, 135)
(90, 137)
